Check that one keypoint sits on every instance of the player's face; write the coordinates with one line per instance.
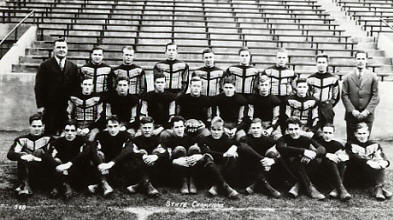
(264, 88)
(217, 131)
(328, 133)
(322, 64)
(245, 58)
(147, 129)
(87, 86)
(361, 60)
(122, 87)
(229, 89)
(302, 89)
(208, 59)
(294, 131)
(362, 135)
(113, 127)
(36, 128)
(70, 132)
(128, 56)
(281, 59)
(178, 128)
(97, 56)
(196, 88)
(60, 50)
(256, 130)
(171, 52)
(159, 84)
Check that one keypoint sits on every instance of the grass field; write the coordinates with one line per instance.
(172, 205)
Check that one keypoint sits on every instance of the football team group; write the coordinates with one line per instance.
(241, 129)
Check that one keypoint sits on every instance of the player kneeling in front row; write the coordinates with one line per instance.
(29, 150)
(68, 160)
(152, 158)
(109, 154)
(301, 154)
(188, 161)
(368, 157)
(335, 161)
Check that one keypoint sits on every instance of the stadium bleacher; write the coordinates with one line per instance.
(300, 26)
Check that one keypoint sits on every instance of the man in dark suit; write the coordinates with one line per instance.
(359, 95)
(56, 79)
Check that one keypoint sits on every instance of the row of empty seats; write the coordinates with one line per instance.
(225, 25)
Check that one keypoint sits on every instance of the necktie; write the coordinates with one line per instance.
(61, 64)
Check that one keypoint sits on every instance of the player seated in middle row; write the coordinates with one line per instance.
(123, 105)
(304, 107)
(159, 104)
(266, 106)
(188, 162)
(231, 107)
(195, 106)
(87, 109)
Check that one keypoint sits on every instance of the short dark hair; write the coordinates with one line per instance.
(112, 118)
(176, 119)
(85, 77)
(244, 49)
(169, 44)
(301, 80)
(96, 47)
(122, 78)
(361, 125)
(195, 79)
(59, 40)
(146, 120)
(322, 55)
(361, 51)
(158, 76)
(207, 50)
(294, 120)
(228, 80)
(35, 117)
(256, 120)
(71, 122)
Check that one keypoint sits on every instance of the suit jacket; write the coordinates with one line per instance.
(53, 86)
(360, 94)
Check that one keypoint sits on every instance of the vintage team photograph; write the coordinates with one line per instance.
(196, 109)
